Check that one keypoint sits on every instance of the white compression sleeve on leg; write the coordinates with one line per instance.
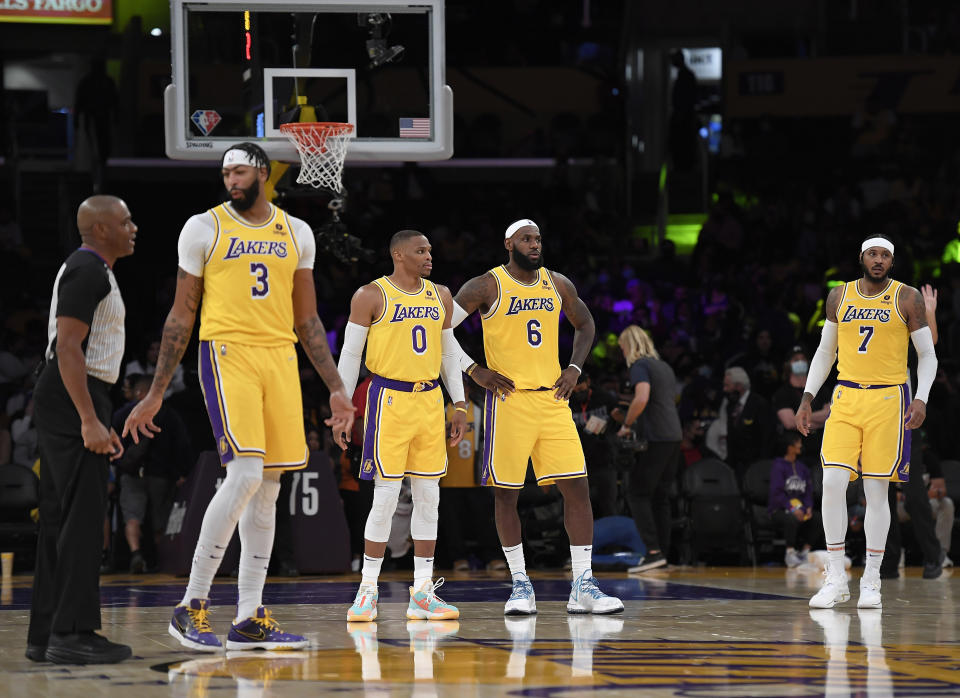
(449, 366)
(385, 495)
(426, 508)
(876, 522)
(834, 507)
(257, 528)
(823, 359)
(926, 362)
(354, 337)
(244, 475)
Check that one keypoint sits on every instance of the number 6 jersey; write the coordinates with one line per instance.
(404, 342)
(247, 273)
(521, 330)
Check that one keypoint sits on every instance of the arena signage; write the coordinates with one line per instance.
(57, 11)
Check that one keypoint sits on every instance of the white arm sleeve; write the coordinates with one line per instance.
(451, 344)
(450, 366)
(354, 337)
(927, 362)
(459, 315)
(195, 243)
(307, 244)
(823, 359)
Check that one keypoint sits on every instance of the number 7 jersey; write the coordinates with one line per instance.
(404, 342)
(247, 273)
(872, 336)
(521, 330)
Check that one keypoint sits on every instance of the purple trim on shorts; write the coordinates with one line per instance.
(404, 386)
(211, 393)
(858, 386)
(489, 402)
(370, 432)
(906, 436)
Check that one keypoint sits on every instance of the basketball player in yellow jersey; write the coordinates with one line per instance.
(869, 323)
(252, 264)
(520, 304)
(404, 320)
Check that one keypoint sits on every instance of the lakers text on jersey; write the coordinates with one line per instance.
(403, 430)
(404, 342)
(521, 330)
(252, 395)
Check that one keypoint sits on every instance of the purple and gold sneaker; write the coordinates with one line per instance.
(261, 631)
(191, 626)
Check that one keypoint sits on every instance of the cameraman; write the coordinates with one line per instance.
(654, 398)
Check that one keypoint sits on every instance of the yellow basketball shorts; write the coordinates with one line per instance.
(864, 432)
(403, 430)
(253, 398)
(529, 425)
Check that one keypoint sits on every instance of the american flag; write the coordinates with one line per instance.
(415, 128)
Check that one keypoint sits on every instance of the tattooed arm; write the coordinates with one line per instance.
(584, 330)
(176, 334)
(313, 338)
(479, 293)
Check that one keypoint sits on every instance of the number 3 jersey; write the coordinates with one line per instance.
(521, 330)
(404, 342)
(872, 336)
(247, 273)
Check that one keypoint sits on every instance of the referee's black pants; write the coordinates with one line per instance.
(73, 493)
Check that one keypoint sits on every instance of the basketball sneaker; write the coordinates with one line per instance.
(426, 605)
(792, 559)
(834, 589)
(364, 608)
(190, 625)
(586, 597)
(522, 601)
(870, 590)
(261, 631)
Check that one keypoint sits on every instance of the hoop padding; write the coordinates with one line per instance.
(322, 146)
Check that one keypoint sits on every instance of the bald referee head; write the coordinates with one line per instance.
(107, 227)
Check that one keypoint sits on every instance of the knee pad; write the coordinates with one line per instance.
(263, 505)
(836, 479)
(244, 476)
(426, 508)
(385, 495)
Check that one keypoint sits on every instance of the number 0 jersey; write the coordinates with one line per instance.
(872, 336)
(521, 330)
(247, 273)
(404, 342)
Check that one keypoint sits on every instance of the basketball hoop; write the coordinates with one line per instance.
(322, 147)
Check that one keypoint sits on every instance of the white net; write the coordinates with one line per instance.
(322, 147)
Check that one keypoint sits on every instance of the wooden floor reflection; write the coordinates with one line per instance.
(685, 632)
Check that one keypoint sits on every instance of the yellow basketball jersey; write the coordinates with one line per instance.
(872, 337)
(461, 459)
(404, 342)
(248, 280)
(521, 330)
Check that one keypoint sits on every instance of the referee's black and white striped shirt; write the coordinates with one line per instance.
(86, 289)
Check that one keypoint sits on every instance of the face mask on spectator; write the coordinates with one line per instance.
(799, 367)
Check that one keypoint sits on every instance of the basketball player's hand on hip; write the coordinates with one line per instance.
(341, 417)
(916, 413)
(491, 380)
(804, 418)
(140, 420)
(99, 439)
(566, 383)
(458, 426)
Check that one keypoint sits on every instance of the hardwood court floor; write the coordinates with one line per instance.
(685, 632)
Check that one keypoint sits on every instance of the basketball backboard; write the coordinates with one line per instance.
(239, 68)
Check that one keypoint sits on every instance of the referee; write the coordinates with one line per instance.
(72, 413)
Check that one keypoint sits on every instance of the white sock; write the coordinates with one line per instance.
(835, 555)
(422, 570)
(874, 558)
(244, 475)
(371, 570)
(257, 527)
(876, 522)
(515, 559)
(580, 556)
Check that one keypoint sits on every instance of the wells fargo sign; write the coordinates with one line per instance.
(57, 11)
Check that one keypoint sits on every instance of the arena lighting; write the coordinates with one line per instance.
(246, 33)
(156, 31)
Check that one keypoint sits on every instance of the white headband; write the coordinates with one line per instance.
(876, 242)
(235, 156)
(516, 225)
